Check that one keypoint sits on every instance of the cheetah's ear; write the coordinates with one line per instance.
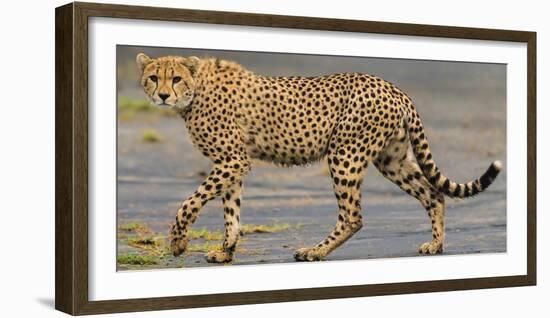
(192, 63)
(142, 61)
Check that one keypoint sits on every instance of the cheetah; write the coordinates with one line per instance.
(234, 115)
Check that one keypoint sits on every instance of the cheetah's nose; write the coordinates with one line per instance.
(164, 96)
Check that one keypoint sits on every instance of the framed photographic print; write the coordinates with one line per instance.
(220, 158)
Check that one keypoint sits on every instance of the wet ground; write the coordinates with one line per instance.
(154, 177)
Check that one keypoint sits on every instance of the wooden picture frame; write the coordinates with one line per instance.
(71, 241)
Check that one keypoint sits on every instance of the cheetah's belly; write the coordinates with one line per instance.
(282, 145)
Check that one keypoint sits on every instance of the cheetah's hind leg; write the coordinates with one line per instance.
(398, 164)
(347, 176)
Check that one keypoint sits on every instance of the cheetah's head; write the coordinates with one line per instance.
(168, 81)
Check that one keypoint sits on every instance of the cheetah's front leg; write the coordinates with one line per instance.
(231, 215)
(222, 178)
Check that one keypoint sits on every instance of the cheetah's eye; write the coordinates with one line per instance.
(153, 78)
(176, 79)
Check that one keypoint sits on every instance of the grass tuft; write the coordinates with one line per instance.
(128, 108)
(153, 245)
(132, 227)
(136, 259)
(152, 136)
(143, 241)
(126, 104)
(205, 234)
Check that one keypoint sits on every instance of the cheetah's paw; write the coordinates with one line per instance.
(433, 247)
(308, 254)
(178, 245)
(219, 257)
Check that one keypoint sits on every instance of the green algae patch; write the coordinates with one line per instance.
(137, 259)
(151, 135)
(205, 234)
(126, 104)
(133, 227)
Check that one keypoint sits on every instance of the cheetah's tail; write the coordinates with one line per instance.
(426, 162)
